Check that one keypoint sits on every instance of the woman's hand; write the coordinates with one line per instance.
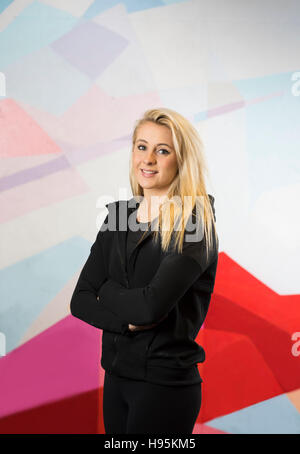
(142, 327)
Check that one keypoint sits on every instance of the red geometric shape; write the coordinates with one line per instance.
(247, 340)
(78, 414)
(234, 374)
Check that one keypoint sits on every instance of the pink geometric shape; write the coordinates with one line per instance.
(40, 193)
(34, 173)
(15, 165)
(95, 117)
(20, 134)
(206, 429)
(61, 362)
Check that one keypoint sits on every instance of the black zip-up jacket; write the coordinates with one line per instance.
(171, 287)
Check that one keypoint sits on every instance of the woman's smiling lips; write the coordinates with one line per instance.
(148, 174)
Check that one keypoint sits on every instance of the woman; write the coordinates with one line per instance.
(148, 282)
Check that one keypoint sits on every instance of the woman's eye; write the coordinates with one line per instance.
(161, 149)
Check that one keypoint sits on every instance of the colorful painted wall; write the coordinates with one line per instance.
(74, 77)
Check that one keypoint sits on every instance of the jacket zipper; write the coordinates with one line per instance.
(124, 267)
(115, 358)
(127, 285)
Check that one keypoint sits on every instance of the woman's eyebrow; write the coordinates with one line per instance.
(143, 140)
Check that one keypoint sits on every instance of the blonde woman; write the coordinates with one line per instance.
(148, 281)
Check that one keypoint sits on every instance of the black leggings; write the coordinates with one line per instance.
(138, 407)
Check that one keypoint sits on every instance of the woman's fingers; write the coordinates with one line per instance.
(142, 327)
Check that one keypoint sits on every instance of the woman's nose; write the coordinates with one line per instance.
(150, 158)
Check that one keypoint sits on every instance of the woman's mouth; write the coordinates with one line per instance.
(148, 173)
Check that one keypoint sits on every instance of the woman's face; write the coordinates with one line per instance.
(153, 150)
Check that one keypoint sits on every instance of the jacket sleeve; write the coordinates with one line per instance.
(85, 303)
(175, 275)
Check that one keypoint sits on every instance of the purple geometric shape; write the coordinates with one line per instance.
(90, 47)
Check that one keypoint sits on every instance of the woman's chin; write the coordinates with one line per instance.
(146, 184)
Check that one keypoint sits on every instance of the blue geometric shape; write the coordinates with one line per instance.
(29, 285)
(139, 5)
(98, 6)
(35, 27)
(273, 416)
(262, 86)
(4, 4)
(273, 133)
(200, 116)
(2, 85)
(131, 6)
(169, 2)
(46, 81)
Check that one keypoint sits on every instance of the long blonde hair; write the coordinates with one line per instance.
(187, 185)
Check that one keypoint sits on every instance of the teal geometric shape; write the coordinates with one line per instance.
(45, 81)
(36, 26)
(273, 416)
(200, 116)
(265, 85)
(140, 5)
(28, 286)
(131, 6)
(4, 4)
(168, 2)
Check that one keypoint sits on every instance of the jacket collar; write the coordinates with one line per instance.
(124, 208)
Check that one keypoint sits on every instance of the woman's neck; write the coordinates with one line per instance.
(149, 208)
